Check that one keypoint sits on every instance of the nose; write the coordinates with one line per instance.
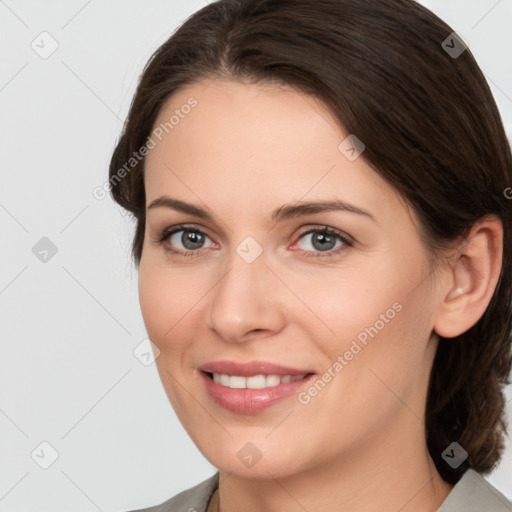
(247, 303)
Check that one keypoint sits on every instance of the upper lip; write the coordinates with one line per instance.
(250, 368)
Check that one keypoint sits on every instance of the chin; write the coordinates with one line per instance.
(255, 458)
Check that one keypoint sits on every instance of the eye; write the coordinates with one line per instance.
(191, 240)
(323, 240)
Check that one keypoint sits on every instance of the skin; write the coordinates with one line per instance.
(242, 152)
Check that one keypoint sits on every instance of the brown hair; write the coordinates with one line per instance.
(431, 129)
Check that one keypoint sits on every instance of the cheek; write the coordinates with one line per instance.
(172, 304)
(344, 303)
(165, 301)
(374, 316)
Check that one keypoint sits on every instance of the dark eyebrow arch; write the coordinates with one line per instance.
(282, 213)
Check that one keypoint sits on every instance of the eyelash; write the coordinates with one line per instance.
(347, 242)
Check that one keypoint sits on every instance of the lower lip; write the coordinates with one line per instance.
(251, 401)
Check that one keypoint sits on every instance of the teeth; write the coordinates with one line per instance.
(255, 381)
(236, 382)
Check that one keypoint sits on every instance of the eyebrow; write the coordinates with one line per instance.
(284, 212)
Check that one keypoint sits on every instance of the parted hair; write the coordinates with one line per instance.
(430, 126)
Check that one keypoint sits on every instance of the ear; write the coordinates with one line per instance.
(471, 278)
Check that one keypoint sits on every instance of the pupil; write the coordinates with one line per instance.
(322, 238)
(192, 239)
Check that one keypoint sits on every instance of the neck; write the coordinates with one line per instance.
(385, 476)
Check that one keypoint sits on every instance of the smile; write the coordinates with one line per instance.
(253, 393)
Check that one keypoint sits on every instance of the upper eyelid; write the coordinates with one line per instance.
(176, 229)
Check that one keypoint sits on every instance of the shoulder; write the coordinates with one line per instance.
(195, 499)
(473, 493)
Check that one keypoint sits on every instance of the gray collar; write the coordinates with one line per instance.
(472, 493)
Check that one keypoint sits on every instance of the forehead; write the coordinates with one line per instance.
(241, 141)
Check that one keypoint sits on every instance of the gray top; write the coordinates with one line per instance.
(472, 493)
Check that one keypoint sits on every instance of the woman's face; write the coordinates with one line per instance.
(255, 280)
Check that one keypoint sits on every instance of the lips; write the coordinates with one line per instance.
(250, 388)
(250, 369)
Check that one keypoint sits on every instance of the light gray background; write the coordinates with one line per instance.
(68, 375)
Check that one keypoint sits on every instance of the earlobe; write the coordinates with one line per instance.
(472, 278)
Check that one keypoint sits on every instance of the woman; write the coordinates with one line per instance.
(324, 253)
